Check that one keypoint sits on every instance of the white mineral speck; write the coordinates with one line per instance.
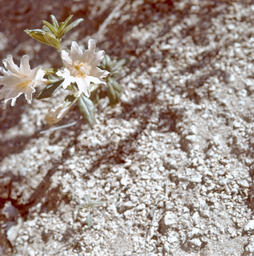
(249, 227)
(124, 181)
(195, 242)
(250, 246)
(243, 183)
(170, 218)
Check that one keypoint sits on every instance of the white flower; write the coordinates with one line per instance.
(80, 67)
(17, 81)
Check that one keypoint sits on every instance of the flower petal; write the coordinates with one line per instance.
(100, 55)
(9, 81)
(91, 45)
(8, 94)
(24, 64)
(97, 72)
(76, 51)
(95, 80)
(39, 74)
(3, 71)
(68, 79)
(67, 61)
(10, 65)
(83, 86)
(13, 100)
(89, 55)
(29, 94)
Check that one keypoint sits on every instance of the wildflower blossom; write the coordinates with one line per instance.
(19, 80)
(80, 67)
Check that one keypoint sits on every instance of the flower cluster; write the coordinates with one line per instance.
(17, 81)
(81, 68)
(84, 74)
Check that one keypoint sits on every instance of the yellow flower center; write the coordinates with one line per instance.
(24, 84)
(81, 69)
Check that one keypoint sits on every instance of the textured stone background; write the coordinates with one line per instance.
(172, 164)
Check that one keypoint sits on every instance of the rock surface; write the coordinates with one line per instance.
(172, 165)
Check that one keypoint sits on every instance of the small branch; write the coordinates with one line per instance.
(58, 127)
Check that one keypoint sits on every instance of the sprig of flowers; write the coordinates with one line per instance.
(85, 74)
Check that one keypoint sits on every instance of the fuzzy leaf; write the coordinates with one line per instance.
(87, 109)
(67, 20)
(37, 34)
(114, 92)
(50, 27)
(45, 29)
(54, 21)
(52, 40)
(49, 90)
(72, 25)
(63, 26)
(44, 37)
(118, 66)
(95, 96)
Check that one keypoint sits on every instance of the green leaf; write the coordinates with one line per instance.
(119, 64)
(54, 21)
(95, 96)
(50, 27)
(112, 66)
(63, 26)
(52, 40)
(114, 92)
(45, 29)
(107, 60)
(87, 109)
(44, 37)
(49, 90)
(72, 25)
(67, 20)
(37, 34)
